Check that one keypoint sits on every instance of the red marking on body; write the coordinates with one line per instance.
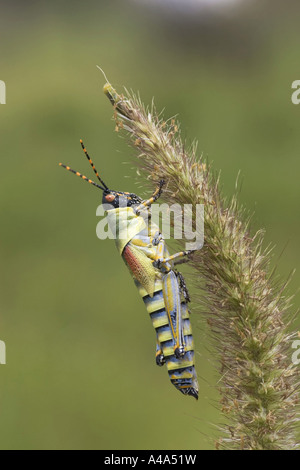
(132, 262)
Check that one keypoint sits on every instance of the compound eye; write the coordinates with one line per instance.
(110, 198)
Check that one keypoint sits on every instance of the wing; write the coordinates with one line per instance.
(141, 267)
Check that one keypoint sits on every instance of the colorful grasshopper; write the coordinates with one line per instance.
(162, 288)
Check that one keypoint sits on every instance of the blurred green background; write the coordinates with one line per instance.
(80, 370)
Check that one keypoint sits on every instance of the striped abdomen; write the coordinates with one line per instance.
(181, 370)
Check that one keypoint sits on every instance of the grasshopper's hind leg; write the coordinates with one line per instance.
(171, 292)
(183, 287)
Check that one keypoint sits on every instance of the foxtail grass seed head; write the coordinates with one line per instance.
(247, 313)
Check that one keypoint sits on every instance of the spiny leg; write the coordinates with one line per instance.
(182, 261)
(157, 193)
(177, 256)
(159, 262)
(183, 287)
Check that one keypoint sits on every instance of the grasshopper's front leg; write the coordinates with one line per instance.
(147, 203)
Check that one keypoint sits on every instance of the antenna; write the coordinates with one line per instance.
(92, 164)
(82, 176)
(103, 73)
